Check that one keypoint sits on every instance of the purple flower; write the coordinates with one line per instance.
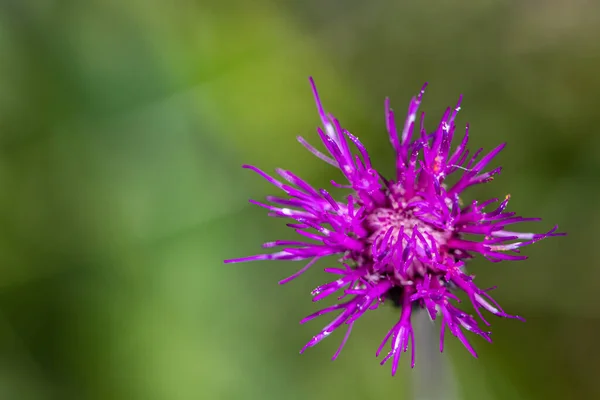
(403, 240)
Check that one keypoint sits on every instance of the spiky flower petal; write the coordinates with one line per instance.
(404, 240)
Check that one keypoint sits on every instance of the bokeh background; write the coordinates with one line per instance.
(123, 126)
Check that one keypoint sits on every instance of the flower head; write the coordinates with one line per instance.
(403, 240)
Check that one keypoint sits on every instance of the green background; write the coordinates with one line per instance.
(123, 126)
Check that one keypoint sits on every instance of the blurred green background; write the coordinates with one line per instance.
(123, 125)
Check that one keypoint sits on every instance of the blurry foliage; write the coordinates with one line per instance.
(122, 129)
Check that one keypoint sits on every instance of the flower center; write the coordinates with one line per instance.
(394, 229)
(402, 224)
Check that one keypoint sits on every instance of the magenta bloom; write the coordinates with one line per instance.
(405, 239)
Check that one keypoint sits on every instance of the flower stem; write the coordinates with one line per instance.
(433, 375)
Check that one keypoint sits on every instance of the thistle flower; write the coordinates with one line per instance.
(403, 240)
